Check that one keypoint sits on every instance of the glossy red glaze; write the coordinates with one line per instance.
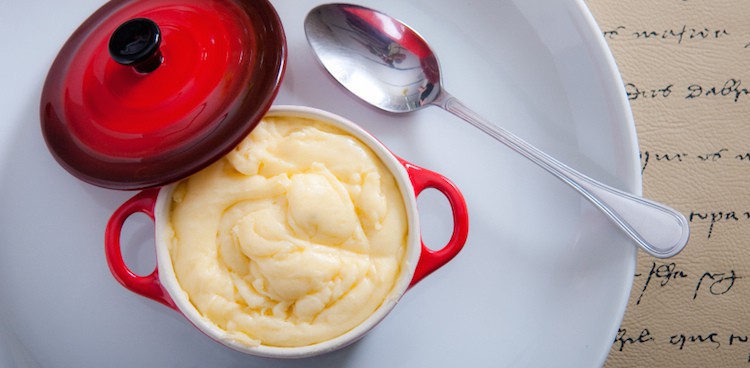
(109, 125)
(148, 286)
(430, 260)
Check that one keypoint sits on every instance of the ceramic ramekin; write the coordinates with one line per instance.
(419, 261)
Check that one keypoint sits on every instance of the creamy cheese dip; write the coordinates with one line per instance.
(293, 238)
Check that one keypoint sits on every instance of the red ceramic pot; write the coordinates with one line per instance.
(162, 285)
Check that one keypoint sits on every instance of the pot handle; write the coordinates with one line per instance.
(148, 286)
(430, 260)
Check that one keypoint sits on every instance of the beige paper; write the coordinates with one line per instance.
(686, 68)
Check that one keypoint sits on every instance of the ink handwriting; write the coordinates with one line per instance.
(682, 341)
(723, 154)
(678, 35)
(708, 284)
(716, 217)
(731, 89)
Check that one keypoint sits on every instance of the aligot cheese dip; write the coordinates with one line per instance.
(293, 238)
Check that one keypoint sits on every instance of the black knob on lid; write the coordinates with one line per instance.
(136, 43)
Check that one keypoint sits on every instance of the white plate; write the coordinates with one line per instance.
(543, 280)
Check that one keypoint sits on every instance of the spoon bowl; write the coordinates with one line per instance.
(390, 66)
(376, 57)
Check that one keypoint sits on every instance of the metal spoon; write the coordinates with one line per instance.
(387, 64)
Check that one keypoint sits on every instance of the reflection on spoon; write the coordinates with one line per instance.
(387, 64)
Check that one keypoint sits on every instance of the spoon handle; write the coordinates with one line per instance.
(659, 230)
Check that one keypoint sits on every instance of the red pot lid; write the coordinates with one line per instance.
(147, 92)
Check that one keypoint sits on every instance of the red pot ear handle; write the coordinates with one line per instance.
(148, 286)
(430, 260)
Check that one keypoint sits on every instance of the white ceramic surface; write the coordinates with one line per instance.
(542, 281)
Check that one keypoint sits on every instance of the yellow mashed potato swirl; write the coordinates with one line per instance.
(293, 238)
